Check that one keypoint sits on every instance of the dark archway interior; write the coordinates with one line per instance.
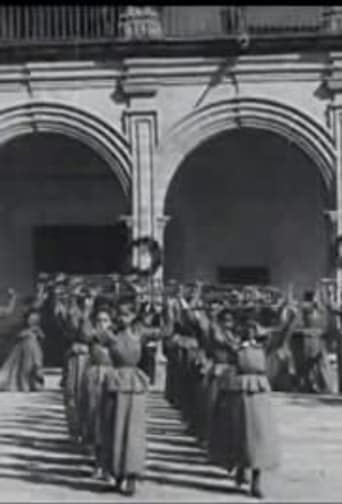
(247, 206)
(59, 210)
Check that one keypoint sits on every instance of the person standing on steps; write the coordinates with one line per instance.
(224, 347)
(23, 369)
(124, 403)
(98, 364)
(150, 338)
(76, 359)
(253, 438)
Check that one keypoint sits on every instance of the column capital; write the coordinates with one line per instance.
(163, 220)
(333, 217)
(127, 219)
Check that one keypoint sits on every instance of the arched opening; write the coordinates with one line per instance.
(59, 210)
(246, 206)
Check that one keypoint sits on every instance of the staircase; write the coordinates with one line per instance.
(38, 463)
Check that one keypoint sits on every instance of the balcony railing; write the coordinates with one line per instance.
(46, 23)
(31, 24)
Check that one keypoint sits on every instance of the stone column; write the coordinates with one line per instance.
(161, 360)
(161, 223)
(129, 221)
(142, 134)
(338, 224)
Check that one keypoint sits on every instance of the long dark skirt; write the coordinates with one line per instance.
(170, 380)
(172, 368)
(124, 433)
(189, 386)
(220, 440)
(73, 379)
(251, 440)
(220, 427)
(212, 396)
(201, 397)
(91, 404)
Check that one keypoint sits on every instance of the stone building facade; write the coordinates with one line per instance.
(217, 131)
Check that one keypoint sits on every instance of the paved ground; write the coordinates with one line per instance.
(37, 463)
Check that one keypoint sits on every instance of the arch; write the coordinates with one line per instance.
(38, 116)
(206, 122)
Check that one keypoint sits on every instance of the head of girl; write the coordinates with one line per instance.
(215, 307)
(126, 312)
(32, 318)
(226, 320)
(103, 320)
(251, 331)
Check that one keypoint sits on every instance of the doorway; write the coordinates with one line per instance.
(252, 275)
(80, 250)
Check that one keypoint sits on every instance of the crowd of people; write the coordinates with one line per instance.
(226, 348)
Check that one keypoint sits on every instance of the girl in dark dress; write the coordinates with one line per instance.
(23, 369)
(224, 346)
(253, 439)
(98, 364)
(75, 363)
(124, 404)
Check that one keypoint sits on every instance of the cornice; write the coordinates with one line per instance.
(59, 75)
(143, 76)
(192, 71)
(333, 78)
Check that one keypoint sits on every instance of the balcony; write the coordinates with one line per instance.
(46, 31)
(48, 24)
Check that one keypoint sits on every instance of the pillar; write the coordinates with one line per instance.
(161, 223)
(129, 221)
(338, 139)
(142, 133)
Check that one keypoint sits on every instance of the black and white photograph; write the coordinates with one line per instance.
(170, 253)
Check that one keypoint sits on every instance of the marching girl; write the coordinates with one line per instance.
(123, 407)
(252, 440)
(75, 362)
(23, 369)
(99, 362)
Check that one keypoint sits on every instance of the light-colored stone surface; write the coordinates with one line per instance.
(192, 97)
(37, 462)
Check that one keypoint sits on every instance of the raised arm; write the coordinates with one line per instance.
(194, 309)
